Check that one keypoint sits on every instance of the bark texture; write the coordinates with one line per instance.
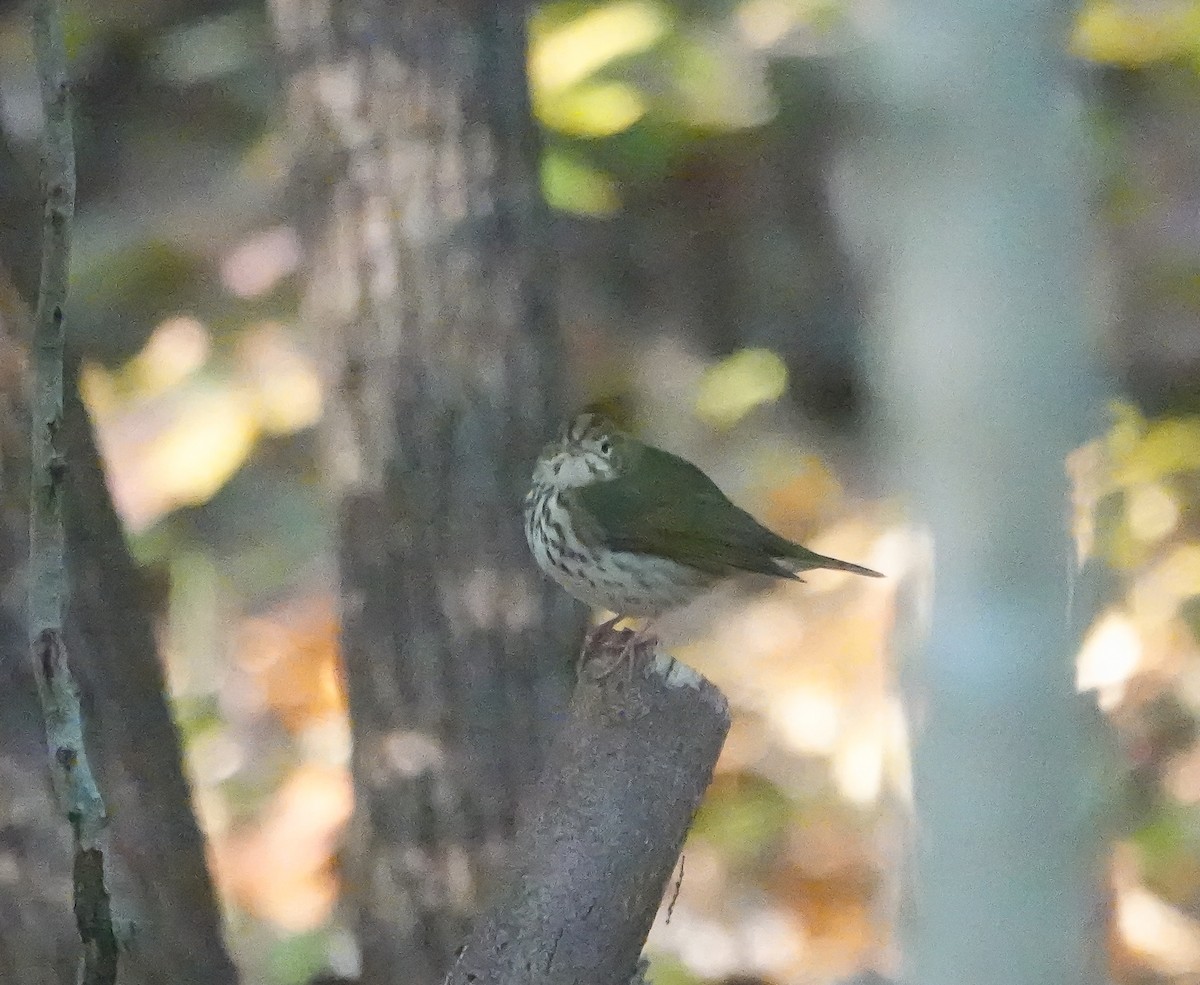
(601, 835)
(74, 783)
(429, 277)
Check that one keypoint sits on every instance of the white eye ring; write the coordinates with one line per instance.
(605, 447)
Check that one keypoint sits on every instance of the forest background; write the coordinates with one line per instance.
(696, 158)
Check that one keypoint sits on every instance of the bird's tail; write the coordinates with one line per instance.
(802, 559)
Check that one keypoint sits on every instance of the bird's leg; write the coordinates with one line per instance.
(634, 640)
(594, 635)
(599, 631)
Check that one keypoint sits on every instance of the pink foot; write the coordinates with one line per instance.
(598, 632)
(597, 636)
(634, 640)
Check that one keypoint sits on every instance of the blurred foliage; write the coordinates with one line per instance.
(738, 384)
(688, 143)
(622, 88)
(743, 816)
(1134, 35)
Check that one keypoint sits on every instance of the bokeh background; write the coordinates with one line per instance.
(707, 296)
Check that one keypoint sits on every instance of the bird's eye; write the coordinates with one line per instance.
(605, 446)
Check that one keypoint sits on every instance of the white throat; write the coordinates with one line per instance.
(571, 469)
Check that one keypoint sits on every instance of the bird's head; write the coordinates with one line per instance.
(589, 448)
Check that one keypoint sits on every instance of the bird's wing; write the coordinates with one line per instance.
(665, 506)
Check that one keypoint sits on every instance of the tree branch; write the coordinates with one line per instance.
(602, 832)
(74, 784)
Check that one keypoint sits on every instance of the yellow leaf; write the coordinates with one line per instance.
(1132, 36)
(736, 385)
(565, 54)
(593, 110)
(572, 186)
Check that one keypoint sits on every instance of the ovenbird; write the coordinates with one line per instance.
(636, 530)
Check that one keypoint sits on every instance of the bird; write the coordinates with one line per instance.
(638, 531)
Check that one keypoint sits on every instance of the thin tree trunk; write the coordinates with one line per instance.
(429, 277)
(79, 799)
(972, 197)
(169, 893)
(159, 880)
(160, 884)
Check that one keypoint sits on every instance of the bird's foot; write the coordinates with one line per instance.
(599, 631)
(597, 637)
(632, 641)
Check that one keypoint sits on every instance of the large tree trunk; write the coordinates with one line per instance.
(429, 277)
(972, 198)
